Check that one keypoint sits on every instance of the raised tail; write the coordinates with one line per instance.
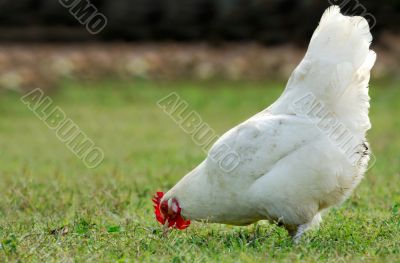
(335, 69)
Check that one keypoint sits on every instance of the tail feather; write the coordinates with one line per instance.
(340, 38)
(353, 105)
(336, 68)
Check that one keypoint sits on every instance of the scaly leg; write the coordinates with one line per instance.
(297, 232)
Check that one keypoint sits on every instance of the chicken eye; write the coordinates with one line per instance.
(164, 208)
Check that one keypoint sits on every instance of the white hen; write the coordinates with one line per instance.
(294, 161)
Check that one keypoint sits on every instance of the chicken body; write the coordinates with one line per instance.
(294, 160)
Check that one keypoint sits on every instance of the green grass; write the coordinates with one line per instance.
(53, 208)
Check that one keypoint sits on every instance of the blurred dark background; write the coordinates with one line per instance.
(43, 42)
(265, 21)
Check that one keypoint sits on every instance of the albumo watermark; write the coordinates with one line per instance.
(65, 129)
(87, 14)
(311, 107)
(201, 133)
(355, 8)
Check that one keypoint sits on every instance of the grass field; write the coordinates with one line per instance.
(53, 208)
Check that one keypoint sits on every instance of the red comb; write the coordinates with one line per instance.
(156, 200)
